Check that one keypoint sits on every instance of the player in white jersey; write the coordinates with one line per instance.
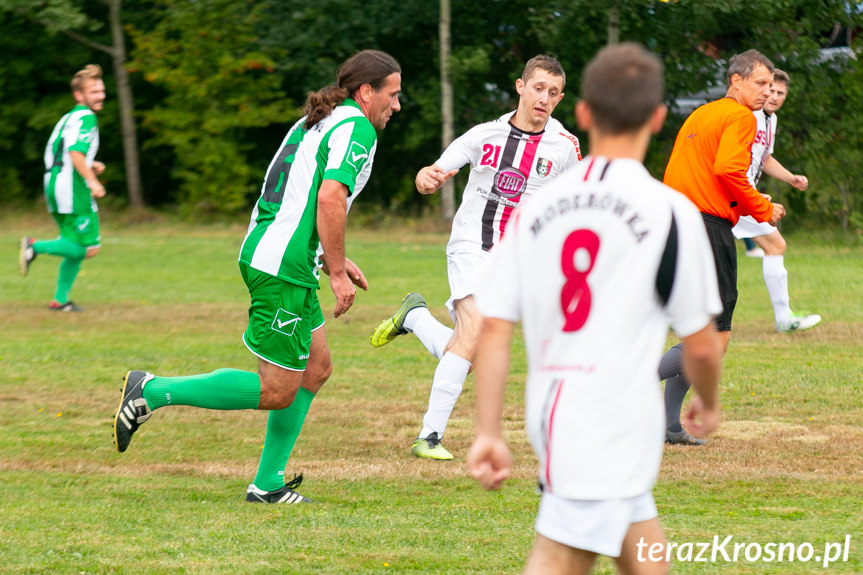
(507, 166)
(605, 253)
(511, 158)
(72, 187)
(322, 165)
(768, 237)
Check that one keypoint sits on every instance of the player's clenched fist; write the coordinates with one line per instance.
(489, 461)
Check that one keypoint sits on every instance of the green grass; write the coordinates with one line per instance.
(784, 467)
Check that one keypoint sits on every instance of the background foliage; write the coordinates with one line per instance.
(218, 82)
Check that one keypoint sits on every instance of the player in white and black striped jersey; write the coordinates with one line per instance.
(511, 158)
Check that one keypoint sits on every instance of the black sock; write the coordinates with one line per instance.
(671, 364)
(675, 391)
(676, 386)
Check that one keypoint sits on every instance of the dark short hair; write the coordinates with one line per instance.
(745, 63)
(781, 76)
(622, 85)
(542, 62)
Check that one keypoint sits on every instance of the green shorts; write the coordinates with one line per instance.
(79, 228)
(282, 317)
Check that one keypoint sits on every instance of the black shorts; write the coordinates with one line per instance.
(725, 257)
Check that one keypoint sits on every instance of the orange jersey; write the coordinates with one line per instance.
(710, 158)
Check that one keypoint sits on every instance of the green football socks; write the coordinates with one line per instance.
(61, 248)
(72, 254)
(225, 389)
(68, 272)
(229, 389)
(283, 428)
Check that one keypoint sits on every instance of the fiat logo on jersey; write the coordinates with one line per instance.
(509, 183)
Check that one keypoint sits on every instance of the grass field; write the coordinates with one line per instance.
(786, 466)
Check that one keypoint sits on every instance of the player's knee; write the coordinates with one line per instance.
(278, 389)
(465, 348)
(92, 251)
(464, 342)
(781, 245)
(774, 244)
(320, 373)
(280, 397)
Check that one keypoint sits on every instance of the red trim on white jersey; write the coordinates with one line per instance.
(549, 433)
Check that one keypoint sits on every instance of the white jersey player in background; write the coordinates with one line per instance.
(767, 237)
(511, 158)
(605, 253)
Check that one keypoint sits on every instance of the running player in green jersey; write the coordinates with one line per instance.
(72, 187)
(299, 221)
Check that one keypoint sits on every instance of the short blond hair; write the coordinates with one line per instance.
(89, 72)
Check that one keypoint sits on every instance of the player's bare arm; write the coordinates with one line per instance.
(489, 458)
(431, 178)
(98, 167)
(702, 361)
(79, 161)
(774, 169)
(331, 219)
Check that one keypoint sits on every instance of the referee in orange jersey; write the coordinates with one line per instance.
(709, 164)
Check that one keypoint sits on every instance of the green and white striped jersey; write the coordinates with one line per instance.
(282, 238)
(66, 192)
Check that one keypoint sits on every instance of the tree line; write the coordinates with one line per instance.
(200, 93)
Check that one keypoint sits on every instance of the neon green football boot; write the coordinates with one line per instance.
(430, 448)
(392, 327)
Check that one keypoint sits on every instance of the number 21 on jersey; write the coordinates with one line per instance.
(490, 155)
(577, 259)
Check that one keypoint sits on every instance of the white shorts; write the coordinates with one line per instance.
(596, 526)
(462, 269)
(747, 227)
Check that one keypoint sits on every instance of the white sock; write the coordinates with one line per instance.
(448, 381)
(433, 334)
(776, 280)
